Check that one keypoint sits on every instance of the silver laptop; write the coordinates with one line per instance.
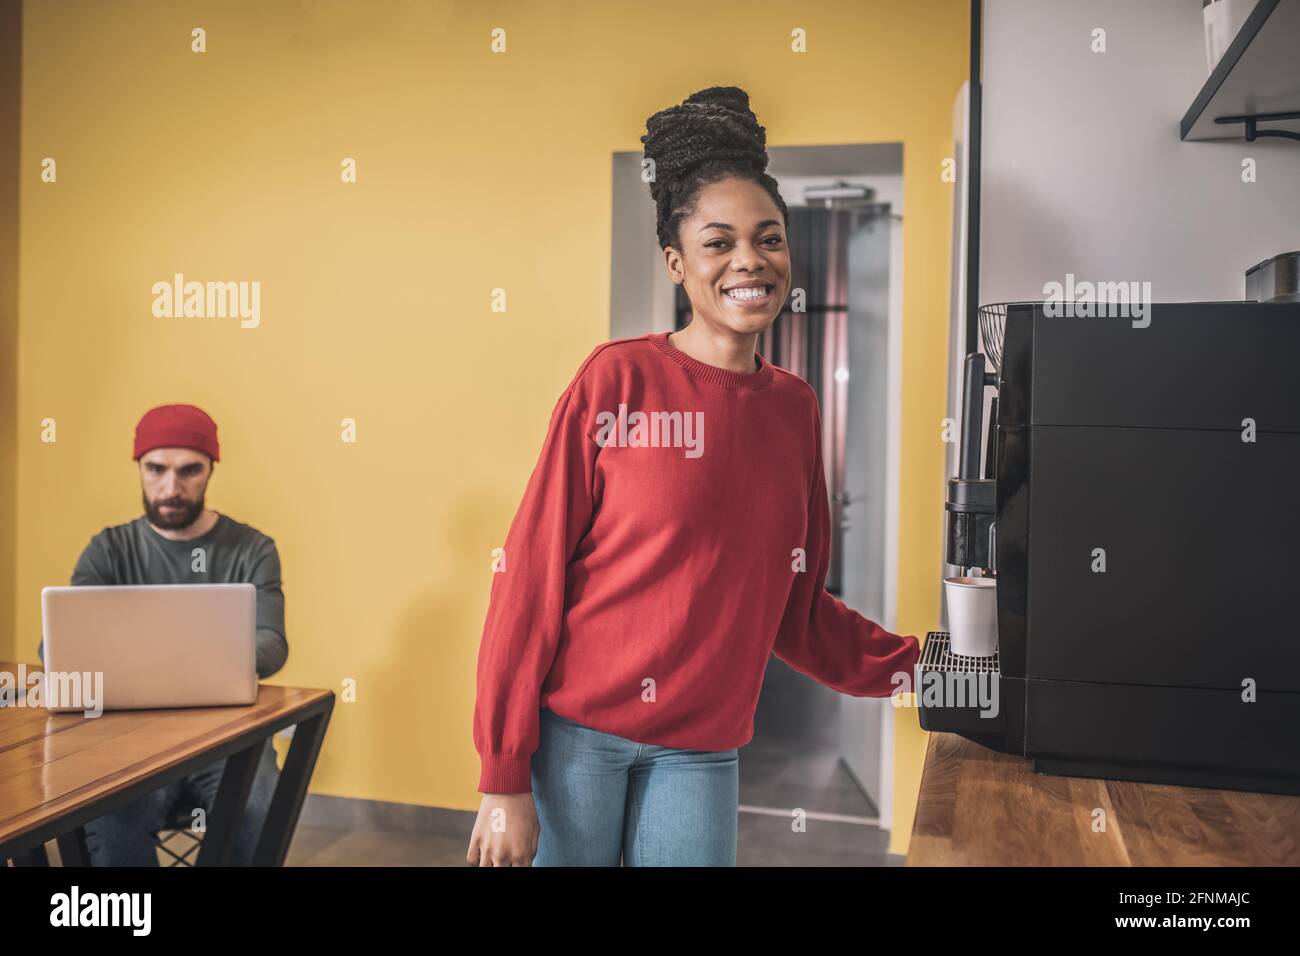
(156, 645)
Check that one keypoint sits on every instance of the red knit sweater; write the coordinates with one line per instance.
(653, 566)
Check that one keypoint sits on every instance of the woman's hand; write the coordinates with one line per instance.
(506, 831)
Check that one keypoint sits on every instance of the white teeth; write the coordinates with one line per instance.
(754, 293)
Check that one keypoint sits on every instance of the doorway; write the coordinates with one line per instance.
(817, 755)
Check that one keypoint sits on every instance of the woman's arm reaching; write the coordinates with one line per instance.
(823, 637)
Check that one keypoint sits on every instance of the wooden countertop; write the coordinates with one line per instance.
(978, 807)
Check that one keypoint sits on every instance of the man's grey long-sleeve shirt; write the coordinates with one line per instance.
(230, 553)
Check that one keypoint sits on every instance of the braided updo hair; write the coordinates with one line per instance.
(712, 135)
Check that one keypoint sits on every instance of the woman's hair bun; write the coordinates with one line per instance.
(715, 124)
(732, 97)
(711, 135)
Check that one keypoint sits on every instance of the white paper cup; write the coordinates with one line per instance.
(972, 616)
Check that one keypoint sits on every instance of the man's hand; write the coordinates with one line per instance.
(506, 831)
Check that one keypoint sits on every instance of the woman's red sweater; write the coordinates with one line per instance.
(658, 559)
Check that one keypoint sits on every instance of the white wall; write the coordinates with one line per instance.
(1083, 170)
(641, 294)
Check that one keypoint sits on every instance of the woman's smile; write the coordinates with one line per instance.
(752, 296)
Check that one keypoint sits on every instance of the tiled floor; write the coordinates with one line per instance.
(773, 781)
(776, 778)
(325, 846)
(791, 763)
(838, 828)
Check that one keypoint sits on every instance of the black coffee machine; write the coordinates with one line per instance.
(1138, 508)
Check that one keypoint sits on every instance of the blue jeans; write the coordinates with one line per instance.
(600, 797)
(125, 837)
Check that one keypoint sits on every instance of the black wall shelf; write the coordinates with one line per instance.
(1254, 91)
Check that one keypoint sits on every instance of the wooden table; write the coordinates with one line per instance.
(60, 770)
(978, 807)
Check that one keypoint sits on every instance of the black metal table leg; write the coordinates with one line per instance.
(72, 848)
(36, 856)
(291, 790)
(228, 807)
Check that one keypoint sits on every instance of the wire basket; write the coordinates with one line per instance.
(993, 325)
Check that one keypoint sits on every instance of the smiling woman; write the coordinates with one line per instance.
(721, 222)
(645, 589)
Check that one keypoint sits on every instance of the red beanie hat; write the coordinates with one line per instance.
(176, 426)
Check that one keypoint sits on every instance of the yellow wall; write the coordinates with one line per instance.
(476, 171)
(10, 121)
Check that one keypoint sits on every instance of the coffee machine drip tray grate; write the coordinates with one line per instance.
(938, 656)
(961, 695)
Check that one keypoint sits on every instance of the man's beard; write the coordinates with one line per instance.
(173, 520)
